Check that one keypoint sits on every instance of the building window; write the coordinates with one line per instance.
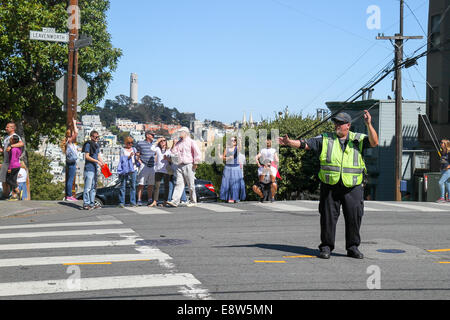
(435, 39)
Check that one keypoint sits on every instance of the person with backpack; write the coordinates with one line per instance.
(127, 170)
(91, 150)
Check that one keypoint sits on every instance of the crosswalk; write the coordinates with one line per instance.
(34, 248)
(306, 206)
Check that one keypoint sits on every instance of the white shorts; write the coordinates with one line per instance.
(146, 177)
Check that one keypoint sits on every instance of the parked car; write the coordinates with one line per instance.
(110, 195)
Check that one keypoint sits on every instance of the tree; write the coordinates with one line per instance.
(29, 69)
(41, 185)
(298, 169)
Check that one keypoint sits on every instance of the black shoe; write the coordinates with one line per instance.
(324, 253)
(355, 253)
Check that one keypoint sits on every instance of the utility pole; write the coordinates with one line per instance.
(72, 69)
(398, 44)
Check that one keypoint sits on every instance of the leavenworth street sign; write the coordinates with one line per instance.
(49, 34)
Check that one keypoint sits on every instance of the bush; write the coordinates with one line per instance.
(41, 185)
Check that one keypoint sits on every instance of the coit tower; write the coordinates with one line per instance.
(134, 88)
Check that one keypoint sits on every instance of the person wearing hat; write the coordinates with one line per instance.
(188, 156)
(342, 169)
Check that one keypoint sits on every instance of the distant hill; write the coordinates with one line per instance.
(151, 109)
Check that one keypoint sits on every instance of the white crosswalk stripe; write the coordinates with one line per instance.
(100, 283)
(186, 283)
(291, 206)
(218, 208)
(278, 206)
(148, 210)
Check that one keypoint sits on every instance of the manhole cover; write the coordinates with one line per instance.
(162, 242)
(391, 251)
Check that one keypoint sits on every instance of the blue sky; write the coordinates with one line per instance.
(220, 59)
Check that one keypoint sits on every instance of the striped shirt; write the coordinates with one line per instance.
(144, 148)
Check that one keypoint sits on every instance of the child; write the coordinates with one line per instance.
(13, 169)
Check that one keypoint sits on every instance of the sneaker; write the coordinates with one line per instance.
(440, 200)
(272, 200)
(121, 206)
(71, 199)
(86, 208)
(191, 204)
(139, 203)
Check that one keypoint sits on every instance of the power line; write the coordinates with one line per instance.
(324, 22)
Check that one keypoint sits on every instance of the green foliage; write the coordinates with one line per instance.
(298, 168)
(151, 109)
(29, 68)
(41, 184)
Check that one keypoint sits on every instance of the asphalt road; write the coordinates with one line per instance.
(245, 251)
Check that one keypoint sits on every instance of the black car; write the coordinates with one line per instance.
(110, 195)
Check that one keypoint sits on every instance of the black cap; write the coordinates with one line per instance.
(342, 117)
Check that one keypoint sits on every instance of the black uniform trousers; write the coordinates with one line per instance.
(352, 201)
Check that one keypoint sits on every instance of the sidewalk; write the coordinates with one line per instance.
(18, 208)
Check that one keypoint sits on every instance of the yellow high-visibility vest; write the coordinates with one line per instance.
(336, 164)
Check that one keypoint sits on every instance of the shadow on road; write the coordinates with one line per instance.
(299, 250)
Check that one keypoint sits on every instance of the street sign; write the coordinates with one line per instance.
(61, 90)
(83, 41)
(49, 34)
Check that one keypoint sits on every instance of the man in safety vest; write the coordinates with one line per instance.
(342, 170)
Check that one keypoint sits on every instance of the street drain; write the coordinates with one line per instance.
(162, 242)
(391, 251)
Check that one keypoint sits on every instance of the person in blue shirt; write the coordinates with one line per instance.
(91, 150)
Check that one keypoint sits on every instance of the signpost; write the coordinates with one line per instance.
(71, 89)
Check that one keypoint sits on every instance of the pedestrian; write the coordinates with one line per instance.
(22, 178)
(266, 186)
(13, 169)
(173, 182)
(232, 188)
(444, 182)
(69, 147)
(91, 151)
(268, 153)
(127, 170)
(188, 157)
(146, 176)
(342, 170)
(11, 132)
(163, 170)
